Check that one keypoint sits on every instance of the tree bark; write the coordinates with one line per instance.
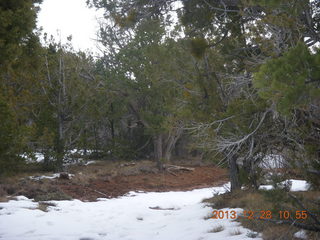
(234, 173)
(172, 140)
(112, 123)
(250, 169)
(60, 143)
(158, 154)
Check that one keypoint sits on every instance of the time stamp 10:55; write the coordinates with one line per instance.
(263, 214)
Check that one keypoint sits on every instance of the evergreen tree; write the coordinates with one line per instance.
(19, 48)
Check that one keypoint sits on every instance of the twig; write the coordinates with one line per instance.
(103, 194)
(294, 223)
(172, 173)
(316, 220)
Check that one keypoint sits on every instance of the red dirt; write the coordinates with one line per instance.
(203, 176)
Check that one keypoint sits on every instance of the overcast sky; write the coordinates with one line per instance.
(71, 17)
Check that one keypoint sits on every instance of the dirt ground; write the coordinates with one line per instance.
(104, 179)
(202, 176)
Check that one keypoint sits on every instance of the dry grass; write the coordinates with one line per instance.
(207, 217)
(216, 229)
(241, 199)
(43, 206)
(268, 200)
(279, 233)
(46, 189)
(41, 190)
(235, 232)
(4, 199)
(253, 200)
(107, 170)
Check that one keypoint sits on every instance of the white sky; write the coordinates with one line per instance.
(70, 17)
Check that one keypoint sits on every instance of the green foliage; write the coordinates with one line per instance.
(17, 21)
(198, 47)
(126, 21)
(290, 81)
(148, 84)
(9, 135)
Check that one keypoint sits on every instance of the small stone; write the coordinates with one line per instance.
(64, 175)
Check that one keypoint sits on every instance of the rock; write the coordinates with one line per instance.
(301, 234)
(64, 175)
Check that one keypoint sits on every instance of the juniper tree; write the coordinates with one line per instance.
(19, 47)
(231, 40)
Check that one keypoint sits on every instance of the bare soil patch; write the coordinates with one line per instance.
(105, 179)
(201, 177)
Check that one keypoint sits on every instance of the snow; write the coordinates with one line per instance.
(299, 185)
(38, 157)
(266, 187)
(82, 151)
(70, 159)
(89, 162)
(135, 216)
(272, 161)
(295, 185)
(52, 176)
(301, 234)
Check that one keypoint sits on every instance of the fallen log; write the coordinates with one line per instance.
(178, 168)
(160, 208)
(127, 164)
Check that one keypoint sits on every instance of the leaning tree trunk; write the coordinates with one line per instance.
(234, 173)
(171, 143)
(158, 154)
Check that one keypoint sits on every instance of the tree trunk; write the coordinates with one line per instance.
(234, 173)
(158, 154)
(112, 123)
(172, 140)
(46, 161)
(60, 144)
(250, 169)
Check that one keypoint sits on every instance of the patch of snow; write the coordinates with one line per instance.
(79, 151)
(37, 157)
(272, 161)
(301, 234)
(295, 185)
(180, 215)
(299, 185)
(52, 176)
(82, 151)
(21, 198)
(89, 162)
(266, 187)
(13, 207)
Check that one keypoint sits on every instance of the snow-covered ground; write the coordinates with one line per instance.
(136, 216)
(38, 157)
(295, 185)
(51, 176)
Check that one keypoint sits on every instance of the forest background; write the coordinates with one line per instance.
(228, 80)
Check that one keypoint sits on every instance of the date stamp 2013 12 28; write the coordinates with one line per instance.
(263, 214)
